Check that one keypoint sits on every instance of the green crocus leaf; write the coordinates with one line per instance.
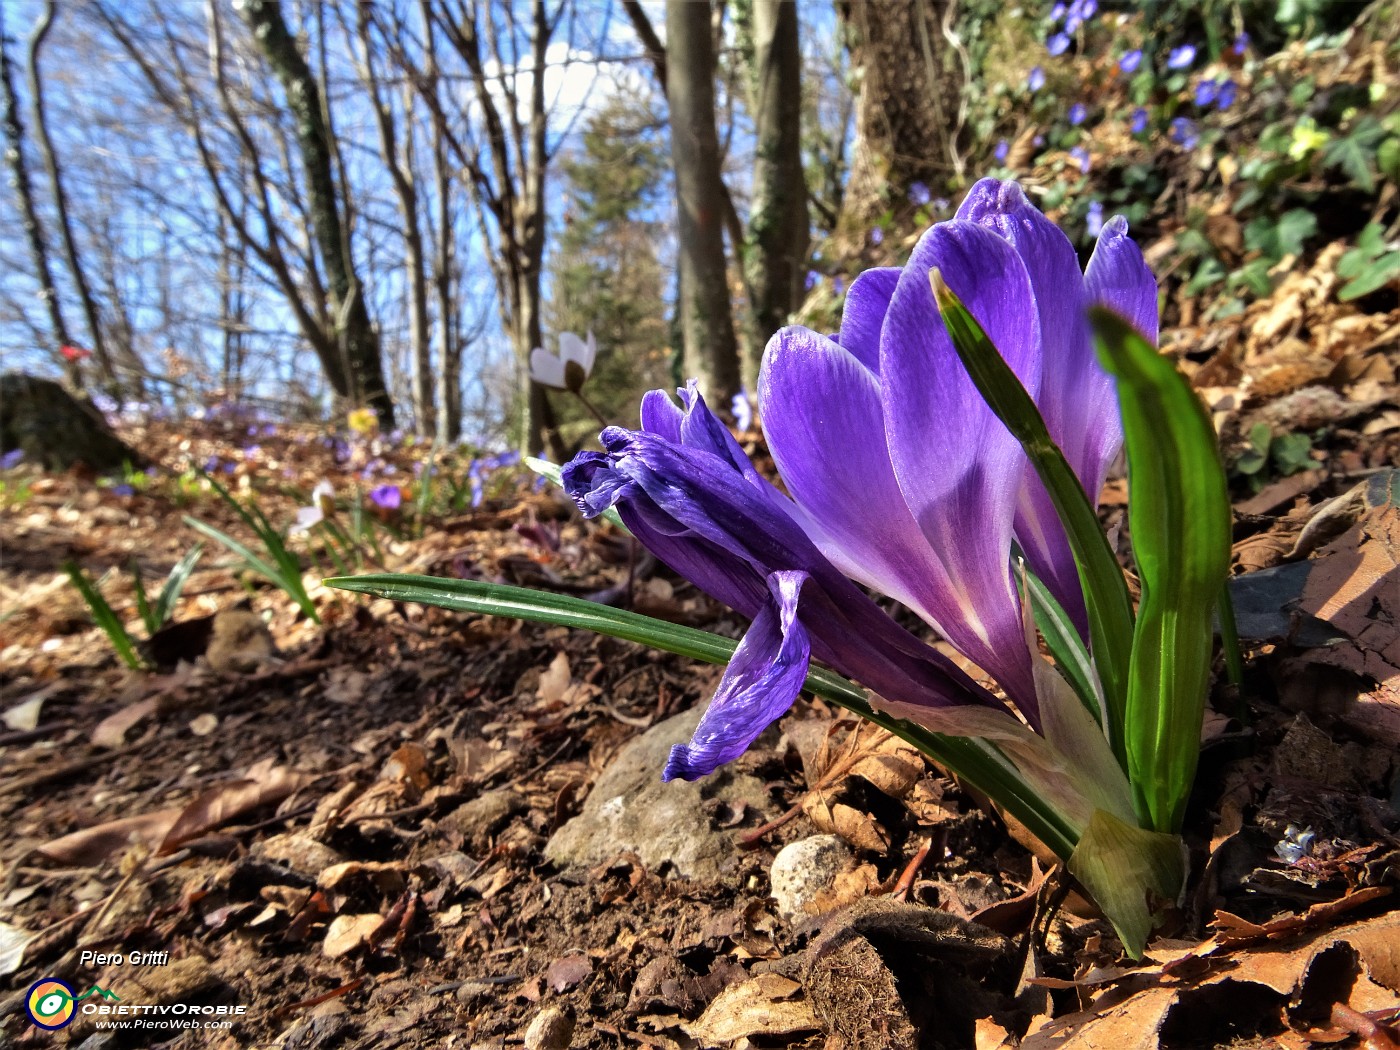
(1179, 517)
(1105, 591)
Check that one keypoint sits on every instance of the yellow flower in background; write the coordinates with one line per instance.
(363, 421)
(1308, 138)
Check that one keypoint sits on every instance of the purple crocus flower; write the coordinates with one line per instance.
(1183, 132)
(1081, 154)
(837, 286)
(1093, 219)
(812, 280)
(1181, 57)
(11, 459)
(1129, 62)
(1058, 12)
(1058, 44)
(742, 408)
(1207, 91)
(386, 497)
(123, 490)
(1077, 113)
(910, 487)
(1241, 43)
(1002, 150)
(877, 235)
(919, 194)
(1036, 80)
(1139, 122)
(1225, 98)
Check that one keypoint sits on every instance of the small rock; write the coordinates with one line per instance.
(552, 1029)
(804, 870)
(298, 852)
(240, 643)
(478, 819)
(631, 809)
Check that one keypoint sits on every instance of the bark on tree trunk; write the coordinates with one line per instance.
(776, 245)
(357, 338)
(29, 216)
(710, 351)
(905, 115)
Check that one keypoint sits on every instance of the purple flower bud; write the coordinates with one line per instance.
(1036, 80)
(1139, 122)
(1057, 44)
(387, 497)
(918, 194)
(1003, 148)
(1129, 62)
(1181, 57)
(1077, 113)
(877, 235)
(1183, 132)
(1206, 92)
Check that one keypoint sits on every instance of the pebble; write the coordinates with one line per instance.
(805, 869)
(552, 1029)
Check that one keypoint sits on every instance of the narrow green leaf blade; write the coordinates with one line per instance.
(175, 584)
(1179, 516)
(143, 604)
(1106, 595)
(1065, 645)
(105, 617)
(976, 761)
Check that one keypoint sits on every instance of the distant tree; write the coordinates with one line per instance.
(354, 332)
(606, 274)
(775, 249)
(711, 351)
(906, 124)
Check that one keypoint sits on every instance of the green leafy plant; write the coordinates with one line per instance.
(277, 564)
(1369, 266)
(153, 617)
(158, 615)
(105, 617)
(1286, 454)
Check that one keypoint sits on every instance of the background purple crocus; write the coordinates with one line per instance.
(1077, 113)
(909, 487)
(1130, 61)
(386, 497)
(1181, 57)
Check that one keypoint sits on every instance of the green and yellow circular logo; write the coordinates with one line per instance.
(50, 1003)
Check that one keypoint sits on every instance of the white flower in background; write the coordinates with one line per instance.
(570, 369)
(322, 507)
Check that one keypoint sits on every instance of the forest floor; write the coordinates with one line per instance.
(343, 836)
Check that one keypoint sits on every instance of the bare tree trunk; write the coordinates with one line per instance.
(776, 246)
(351, 320)
(29, 216)
(905, 132)
(100, 350)
(449, 374)
(710, 350)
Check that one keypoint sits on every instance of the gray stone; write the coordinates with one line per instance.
(480, 818)
(552, 1029)
(804, 870)
(631, 810)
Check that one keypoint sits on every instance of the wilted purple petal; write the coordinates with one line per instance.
(1130, 61)
(761, 682)
(1057, 44)
(1181, 57)
(960, 480)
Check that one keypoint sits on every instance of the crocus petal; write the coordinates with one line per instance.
(546, 369)
(1118, 278)
(1071, 378)
(826, 432)
(863, 316)
(958, 467)
(761, 682)
(661, 416)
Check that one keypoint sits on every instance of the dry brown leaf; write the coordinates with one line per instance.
(856, 826)
(555, 680)
(264, 784)
(761, 1006)
(95, 844)
(567, 971)
(111, 731)
(349, 932)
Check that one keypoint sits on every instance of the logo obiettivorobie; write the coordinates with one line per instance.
(51, 1003)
